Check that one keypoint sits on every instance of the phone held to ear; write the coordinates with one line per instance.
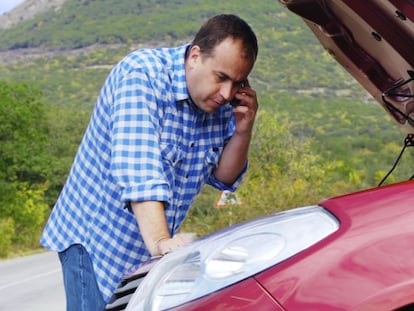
(235, 102)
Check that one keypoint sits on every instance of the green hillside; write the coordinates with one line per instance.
(318, 133)
(290, 58)
(80, 23)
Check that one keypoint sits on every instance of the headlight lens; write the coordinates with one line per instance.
(230, 256)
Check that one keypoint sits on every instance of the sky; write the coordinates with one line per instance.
(7, 5)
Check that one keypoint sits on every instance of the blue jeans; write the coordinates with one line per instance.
(82, 292)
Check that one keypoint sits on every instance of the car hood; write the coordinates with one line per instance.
(374, 41)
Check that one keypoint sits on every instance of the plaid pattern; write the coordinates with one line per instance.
(146, 140)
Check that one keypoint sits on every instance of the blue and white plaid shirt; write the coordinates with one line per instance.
(146, 140)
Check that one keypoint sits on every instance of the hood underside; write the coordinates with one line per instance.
(374, 41)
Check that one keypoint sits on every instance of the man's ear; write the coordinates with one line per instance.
(194, 54)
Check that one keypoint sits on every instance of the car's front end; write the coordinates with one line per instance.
(352, 252)
(230, 256)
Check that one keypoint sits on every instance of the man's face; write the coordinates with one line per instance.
(213, 80)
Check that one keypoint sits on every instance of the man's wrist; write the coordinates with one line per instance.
(157, 249)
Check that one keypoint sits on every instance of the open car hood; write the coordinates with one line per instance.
(374, 41)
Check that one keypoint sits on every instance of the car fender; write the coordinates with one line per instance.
(391, 298)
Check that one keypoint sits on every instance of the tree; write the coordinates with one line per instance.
(23, 134)
(23, 165)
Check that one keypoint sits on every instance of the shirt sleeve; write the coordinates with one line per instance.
(214, 182)
(136, 162)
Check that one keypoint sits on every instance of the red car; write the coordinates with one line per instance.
(352, 252)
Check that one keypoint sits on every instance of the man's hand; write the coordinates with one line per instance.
(246, 109)
(154, 230)
(167, 245)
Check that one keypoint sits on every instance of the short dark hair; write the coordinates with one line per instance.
(223, 26)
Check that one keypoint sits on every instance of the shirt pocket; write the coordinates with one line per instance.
(172, 156)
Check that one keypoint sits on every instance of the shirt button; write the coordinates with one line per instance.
(192, 144)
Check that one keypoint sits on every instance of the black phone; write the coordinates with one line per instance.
(234, 102)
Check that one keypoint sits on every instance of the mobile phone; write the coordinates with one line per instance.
(234, 102)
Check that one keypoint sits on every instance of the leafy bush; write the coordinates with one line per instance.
(23, 134)
(6, 235)
(28, 210)
(24, 165)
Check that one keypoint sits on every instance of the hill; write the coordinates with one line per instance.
(290, 58)
(27, 11)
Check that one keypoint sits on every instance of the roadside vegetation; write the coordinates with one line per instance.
(317, 134)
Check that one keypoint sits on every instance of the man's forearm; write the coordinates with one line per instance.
(152, 224)
(233, 159)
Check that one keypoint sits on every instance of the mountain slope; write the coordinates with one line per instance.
(27, 11)
(78, 23)
(290, 58)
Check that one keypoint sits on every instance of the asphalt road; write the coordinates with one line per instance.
(32, 283)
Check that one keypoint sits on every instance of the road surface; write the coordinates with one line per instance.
(32, 283)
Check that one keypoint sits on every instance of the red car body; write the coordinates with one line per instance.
(367, 265)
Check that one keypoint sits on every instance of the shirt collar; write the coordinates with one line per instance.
(179, 85)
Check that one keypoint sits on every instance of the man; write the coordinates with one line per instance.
(161, 128)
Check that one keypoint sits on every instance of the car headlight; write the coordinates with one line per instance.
(229, 256)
